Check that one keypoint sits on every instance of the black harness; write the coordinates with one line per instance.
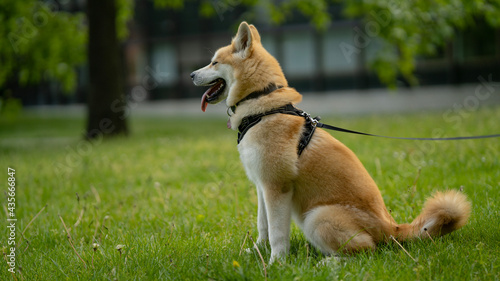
(249, 121)
(309, 126)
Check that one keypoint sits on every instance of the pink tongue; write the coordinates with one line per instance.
(204, 102)
(207, 94)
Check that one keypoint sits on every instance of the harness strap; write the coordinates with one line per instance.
(309, 126)
(309, 129)
(257, 94)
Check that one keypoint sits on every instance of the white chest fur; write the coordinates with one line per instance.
(251, 157)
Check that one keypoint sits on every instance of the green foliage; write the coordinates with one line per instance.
(44, 43)
(172, 4)
(413, 28)
(316, 10)
(124, 12)
(279, 11)
(40, 43)
(175, 194)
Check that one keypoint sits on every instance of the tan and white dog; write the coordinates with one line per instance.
(326, 189)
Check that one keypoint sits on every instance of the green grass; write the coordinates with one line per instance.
(175, 194)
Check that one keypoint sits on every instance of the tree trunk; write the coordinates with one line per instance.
(107, 106)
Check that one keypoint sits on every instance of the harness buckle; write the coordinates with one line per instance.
(314, 121)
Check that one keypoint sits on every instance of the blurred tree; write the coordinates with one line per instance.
(107, 106)
(407, 29)
(45, 43)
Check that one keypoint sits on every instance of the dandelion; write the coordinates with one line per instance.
(200, 218)
(94, 246)
(235, 264)
(119, 248)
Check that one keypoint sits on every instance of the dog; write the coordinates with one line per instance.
(301, 171)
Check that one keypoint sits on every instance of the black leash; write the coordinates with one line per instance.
(338, 129)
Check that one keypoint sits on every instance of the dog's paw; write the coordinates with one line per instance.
(279, 259)
(278, 256)
(261, 241)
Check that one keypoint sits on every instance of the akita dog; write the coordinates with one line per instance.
(302, 171)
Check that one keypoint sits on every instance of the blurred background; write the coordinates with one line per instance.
(111, 54)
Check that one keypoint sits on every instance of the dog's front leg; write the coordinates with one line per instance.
(262, 223)
(279, 211)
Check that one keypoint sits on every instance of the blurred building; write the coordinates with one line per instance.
(178, 42)
(165, 46)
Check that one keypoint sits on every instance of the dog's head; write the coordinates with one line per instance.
(238, 69)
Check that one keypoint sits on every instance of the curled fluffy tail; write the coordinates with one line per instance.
(442, 213)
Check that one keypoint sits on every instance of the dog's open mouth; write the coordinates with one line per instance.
(213, 93)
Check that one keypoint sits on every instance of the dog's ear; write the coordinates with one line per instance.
(255, 33)
(242, 42)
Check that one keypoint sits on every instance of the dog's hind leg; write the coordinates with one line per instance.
(333, 229)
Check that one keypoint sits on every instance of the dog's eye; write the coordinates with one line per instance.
(214, 63)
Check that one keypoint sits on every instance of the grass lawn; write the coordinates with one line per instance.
(174, 195)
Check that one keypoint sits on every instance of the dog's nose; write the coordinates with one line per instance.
(192, 75)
